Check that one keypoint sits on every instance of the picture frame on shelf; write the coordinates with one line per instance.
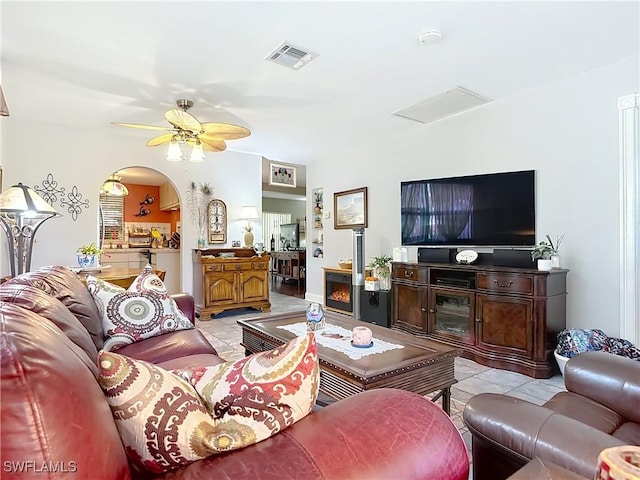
(350, 209)
(282, 175)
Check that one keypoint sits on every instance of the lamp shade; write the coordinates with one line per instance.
(197, 153)
(21, 199)
(22, 211)
(249, 213)
(114, 187)
(174, 154)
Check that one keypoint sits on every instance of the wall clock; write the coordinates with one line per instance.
(217, 221)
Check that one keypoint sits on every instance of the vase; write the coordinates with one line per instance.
(384, 277)
(87, 261)
(315, 317)
(202, 242)
(544, 265)
(555, 261)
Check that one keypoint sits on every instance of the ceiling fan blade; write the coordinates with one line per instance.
(183, 120)
(160, 140)
(137, 125)
(224, 130)
(211, 144)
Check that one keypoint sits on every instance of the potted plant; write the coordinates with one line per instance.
(381, 269)
(543, 251)
(555, 256)
(89, 255)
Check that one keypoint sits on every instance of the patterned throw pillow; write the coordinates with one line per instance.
(145, 310)
(257, 396)
(164, 423)
(161, 420)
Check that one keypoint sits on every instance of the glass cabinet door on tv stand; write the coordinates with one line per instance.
(451, 314)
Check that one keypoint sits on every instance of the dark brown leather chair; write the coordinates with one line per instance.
(600, 409)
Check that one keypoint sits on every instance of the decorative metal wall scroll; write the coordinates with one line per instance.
(49, 190)
(74, 203)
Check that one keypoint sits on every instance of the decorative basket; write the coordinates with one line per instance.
(346, 264)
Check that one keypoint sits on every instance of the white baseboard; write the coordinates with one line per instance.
(312, 297)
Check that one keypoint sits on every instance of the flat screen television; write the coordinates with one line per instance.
(289, 236)
(496, 210)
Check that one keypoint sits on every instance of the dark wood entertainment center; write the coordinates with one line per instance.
(502, 317)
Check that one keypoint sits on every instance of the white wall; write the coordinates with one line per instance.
(567, 131)
(85, 158)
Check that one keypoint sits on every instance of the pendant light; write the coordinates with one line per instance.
(112, 186)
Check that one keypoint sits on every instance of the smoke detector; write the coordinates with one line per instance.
(291, 56)
(429, 37)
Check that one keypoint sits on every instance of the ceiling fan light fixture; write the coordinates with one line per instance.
(197, 154)
(113, 187)
(187, 129)
(174, 154)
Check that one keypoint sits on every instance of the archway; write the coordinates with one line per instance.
(144, 225)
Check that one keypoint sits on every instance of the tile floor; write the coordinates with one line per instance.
(225, 334)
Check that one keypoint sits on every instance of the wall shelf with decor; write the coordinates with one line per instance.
(317, 223)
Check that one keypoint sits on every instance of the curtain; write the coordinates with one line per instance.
(450, 206)
(436, 212)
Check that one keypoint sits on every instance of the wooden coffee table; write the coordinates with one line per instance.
(422, 366)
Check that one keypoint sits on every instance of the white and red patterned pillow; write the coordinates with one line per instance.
(142, 311)
(164, 423)
(260, 395)
(161, 419)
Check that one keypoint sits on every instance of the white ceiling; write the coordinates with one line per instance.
(86, 64)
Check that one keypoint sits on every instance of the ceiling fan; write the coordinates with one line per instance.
(185, 128)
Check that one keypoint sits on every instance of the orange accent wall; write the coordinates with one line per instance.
(137, 194)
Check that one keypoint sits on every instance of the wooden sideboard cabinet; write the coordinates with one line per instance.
(501, 317)
(221, 284)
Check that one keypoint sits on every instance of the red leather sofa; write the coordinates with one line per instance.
(57, 424)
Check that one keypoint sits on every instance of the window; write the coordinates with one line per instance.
(271, 222)
(111, 217)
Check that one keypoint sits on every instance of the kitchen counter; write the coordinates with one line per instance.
(122, 277)
(110, 251)
(165, 259)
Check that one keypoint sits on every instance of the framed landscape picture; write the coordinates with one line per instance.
(350, 209)
(282, 175)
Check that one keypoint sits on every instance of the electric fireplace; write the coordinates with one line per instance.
(338, 291)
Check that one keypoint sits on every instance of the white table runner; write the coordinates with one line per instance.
(338, 338)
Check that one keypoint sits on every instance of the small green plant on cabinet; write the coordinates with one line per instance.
(380, 261)
(542, 250)
(91, 249)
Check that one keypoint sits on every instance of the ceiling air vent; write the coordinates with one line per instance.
(443, 105)
(291, 56)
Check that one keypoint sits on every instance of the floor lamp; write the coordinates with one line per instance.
(22, 211)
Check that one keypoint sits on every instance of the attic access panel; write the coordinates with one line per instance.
(443, 105)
